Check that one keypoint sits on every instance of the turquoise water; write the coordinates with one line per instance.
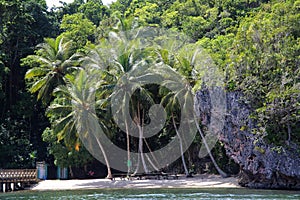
(141, 194)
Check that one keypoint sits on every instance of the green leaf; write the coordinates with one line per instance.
(34, 72)
(38, 85)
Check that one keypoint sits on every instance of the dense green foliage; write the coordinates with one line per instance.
(254, 44)
(23, 24)
(266, 58)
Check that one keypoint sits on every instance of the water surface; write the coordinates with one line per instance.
(153, 194)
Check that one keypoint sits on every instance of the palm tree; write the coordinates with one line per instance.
(132, 100)
(79, 119)
(220, 171)
(53, 60)
(185, 60)
(141, 101)
(169, 54)
(173, 105)
(197, 62)
(116, 57)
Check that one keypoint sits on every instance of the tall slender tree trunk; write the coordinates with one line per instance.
(221, 172)
(151, 163)
(141, 157)
(186, 171)
(138, 164)
(129, 163)
(109, 174)
(141, 151)
(140, 120)
(154, 158)
(71, 172)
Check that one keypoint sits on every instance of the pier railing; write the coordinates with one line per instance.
(13, 179)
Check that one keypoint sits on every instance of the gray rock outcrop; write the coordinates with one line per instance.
(261, 165)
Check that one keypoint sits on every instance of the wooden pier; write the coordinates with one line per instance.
(16, 179)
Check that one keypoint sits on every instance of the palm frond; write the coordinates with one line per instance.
(67, 133)
(58, 109)
(167, 98)
(47, 62)
(38, 85)
(62, 90)
(47, 49)
(60, 123)
(34, 72)
(45, 91)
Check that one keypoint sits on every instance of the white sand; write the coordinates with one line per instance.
(199, 181)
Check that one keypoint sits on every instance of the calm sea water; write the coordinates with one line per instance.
(141, 194)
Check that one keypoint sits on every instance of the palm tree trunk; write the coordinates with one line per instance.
(186, 171)
(151, 163)
(71, 172)
(128, 149)
(141, 148)
(109, 174)
(221, 172)
(138, 164)
(154, 158)
(141, 136)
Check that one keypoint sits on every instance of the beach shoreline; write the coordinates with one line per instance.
(198, 181)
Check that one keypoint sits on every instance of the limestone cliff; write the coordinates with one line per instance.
(261, 164)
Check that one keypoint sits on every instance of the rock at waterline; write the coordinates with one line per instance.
(261, 165)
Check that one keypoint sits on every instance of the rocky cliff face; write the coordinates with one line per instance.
(262, 165)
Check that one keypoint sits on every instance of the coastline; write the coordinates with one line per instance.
(198, 181)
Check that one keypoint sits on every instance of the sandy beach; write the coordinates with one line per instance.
(198, 181)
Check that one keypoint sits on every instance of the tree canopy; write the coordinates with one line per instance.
(46, 53)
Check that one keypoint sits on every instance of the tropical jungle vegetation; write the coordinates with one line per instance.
(47, 55)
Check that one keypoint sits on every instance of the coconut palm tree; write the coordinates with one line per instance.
(173, 108)
(177, 99)
(168, 54)
(184, 60)
(141, 101)
(133, 100)
(79, 119)
(54, 59)
(116, 57)
(220, 171)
